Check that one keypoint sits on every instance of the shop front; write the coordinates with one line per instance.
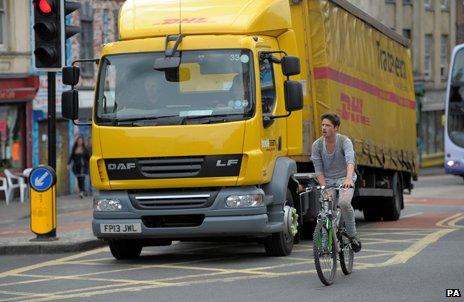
(16, 96)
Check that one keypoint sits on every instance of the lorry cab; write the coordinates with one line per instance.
(193, 110)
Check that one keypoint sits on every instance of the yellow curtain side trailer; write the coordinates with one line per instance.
(360, 69)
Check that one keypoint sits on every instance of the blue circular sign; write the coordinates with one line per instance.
(42, 178)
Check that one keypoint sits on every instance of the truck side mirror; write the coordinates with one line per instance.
(70, 104)
(293, 95)
(167, 63)
(71, 75)
(290, 65)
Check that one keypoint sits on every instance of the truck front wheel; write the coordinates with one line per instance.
(125, 249)
(281, 244)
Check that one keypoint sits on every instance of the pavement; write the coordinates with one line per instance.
(73, 231)
(74, 225)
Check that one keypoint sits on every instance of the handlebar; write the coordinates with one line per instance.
(334, 188)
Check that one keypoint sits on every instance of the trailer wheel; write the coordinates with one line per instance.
(125, 249)
(281, 244)
(372, 213)
(392, 206)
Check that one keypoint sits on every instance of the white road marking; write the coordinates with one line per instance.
(412, 215)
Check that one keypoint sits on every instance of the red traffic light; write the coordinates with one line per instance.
(45, 6)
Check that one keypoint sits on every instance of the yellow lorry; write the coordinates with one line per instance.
(203, 123)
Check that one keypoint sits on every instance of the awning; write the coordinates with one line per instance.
(18, 88)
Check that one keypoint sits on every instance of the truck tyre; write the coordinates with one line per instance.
(392, 206)
(371, 212)
(281, 244)
(125, 249)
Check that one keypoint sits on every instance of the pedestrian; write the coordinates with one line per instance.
(80, 158)
(88, 184)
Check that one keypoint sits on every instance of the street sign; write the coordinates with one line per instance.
(42, 178)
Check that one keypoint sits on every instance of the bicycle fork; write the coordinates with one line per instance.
(329, 229)
(336, 223)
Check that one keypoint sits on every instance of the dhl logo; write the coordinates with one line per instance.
(183, 20)
(352, 110)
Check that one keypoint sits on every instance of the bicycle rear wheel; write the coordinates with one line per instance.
(325, 254)
(346, 255)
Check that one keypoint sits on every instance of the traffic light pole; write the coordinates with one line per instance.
(50, 33)
(51, 77)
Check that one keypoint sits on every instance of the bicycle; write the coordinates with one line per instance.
(330, 238)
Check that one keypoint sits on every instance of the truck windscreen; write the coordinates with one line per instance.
(456, 101)
(208, 83)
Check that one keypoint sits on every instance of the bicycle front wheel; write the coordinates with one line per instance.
(325, 254)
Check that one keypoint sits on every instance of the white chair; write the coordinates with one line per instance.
(4, 188)
(24, 185)
(27, 171)
(15, 182)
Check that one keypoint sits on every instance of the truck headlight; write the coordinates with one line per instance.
(242, 201)
(107, 205)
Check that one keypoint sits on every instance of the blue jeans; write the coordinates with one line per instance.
(344, 201)
(88, 185)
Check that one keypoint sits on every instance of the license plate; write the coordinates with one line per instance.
(121, 228)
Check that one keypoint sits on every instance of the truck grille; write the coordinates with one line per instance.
(171, 167)
(172, 199)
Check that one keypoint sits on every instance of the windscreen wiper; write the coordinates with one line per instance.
(139, 121)
(214, 118)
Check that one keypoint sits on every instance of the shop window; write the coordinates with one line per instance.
(432, 132)
(12, 137)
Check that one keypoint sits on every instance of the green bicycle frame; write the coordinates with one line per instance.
(329, 227)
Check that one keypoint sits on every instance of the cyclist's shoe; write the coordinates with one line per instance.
(355, 244)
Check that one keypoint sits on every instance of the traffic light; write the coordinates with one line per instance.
(69, 30)
(50, 32)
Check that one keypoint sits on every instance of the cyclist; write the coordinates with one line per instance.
(334, 163)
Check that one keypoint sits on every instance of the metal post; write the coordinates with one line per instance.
(51, 76)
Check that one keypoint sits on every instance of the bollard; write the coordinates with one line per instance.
(42, 191)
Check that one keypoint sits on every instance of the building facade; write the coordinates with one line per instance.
(459, 22)
(431, 27)
(18, 86)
